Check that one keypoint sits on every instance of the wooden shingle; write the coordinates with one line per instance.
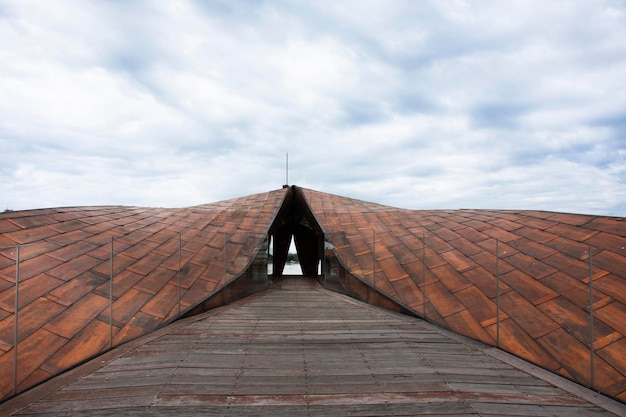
(32, 267)
(528, 287)
(30, 290)
(73, 319)
(531, 266)
(528, 317)
(573, 289)
(31, 318)
(543, 272)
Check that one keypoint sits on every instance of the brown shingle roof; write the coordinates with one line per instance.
(543, 269)
(446, 257)
(65, 265)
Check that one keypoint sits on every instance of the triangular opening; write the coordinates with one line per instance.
(295, 221)
(292, 265)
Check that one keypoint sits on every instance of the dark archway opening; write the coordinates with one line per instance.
(296, 220)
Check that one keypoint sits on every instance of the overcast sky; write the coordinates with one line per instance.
(414, 104)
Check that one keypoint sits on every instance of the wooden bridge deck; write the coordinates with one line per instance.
(297, 349)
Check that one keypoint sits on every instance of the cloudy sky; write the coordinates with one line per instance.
(415, 104)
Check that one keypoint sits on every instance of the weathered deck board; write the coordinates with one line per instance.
(300, 350)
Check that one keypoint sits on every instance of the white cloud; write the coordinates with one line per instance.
(414, 104)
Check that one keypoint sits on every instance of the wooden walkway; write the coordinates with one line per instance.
(299, 350)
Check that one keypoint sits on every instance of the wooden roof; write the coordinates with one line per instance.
(298, 350)
(447, 255)
(65, 265)
(543, 270)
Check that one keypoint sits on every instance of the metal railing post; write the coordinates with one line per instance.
(497, 293)
(17, 306)
(180, 246)
(225, 257)
(424, 276)
(345, 282)
(591, 340)
(374, 259)
(111, 296)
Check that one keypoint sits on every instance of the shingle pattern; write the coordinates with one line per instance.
(447, 258)
(65, 268)
(542, 265)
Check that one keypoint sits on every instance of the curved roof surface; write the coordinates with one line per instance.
(543, 271)
(446, 257)
(299, 350)
(65, 266)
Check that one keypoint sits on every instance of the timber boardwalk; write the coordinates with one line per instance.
(297, 349)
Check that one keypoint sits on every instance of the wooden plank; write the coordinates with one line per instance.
(7, 257)
(528, 287)
(451, 278)
(8, 226)
(531, 266)
(409, 291)
(68, 226)
(391, 268)
(442, 299)
(610, 261)
(122, 282)
(75, 289)
(437, 244)
(479, 305)
(299, 350)
(74, 267)
(30, 290)
(505, 224)
(488, 262)
(155, 280)
(537, 235)
(614, 354)
(610, 284)
(141, 249)
(577, 233)
(31, 235)
(206, 254)
(514, 339)
(458, 260)
(90, 341)
(484, 281)
(527, 316)
(575, 357)
(72, 250)
(614, 315)
(500, 234)
(162, 304)
(31, 318)
(575, 320)
(536, 220)
(575, 290)
(32, 267)
(136, 327)
(466, 247)
(120, 263)
(125, 307)
(571, 219)
(571, 266)
(32, 356)
(471, 234)
(77, 316)
(463, 321)
(147, 263)
(533, 249)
